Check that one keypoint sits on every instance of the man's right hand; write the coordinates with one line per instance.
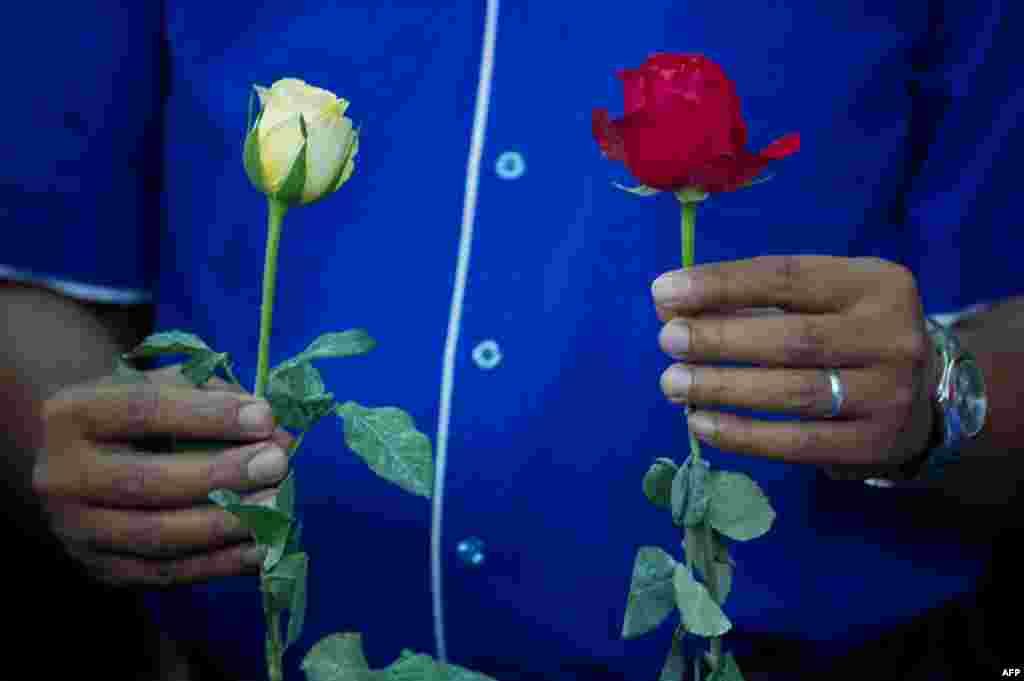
(137, 518)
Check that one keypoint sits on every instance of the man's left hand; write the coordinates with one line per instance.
(862, 316)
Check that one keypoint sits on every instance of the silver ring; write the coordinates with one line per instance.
(838, 392)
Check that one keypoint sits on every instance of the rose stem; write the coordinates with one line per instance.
(689, 222)
(275, 217)
(275, 667)
(704, 530)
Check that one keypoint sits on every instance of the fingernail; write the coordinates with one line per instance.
(255, 418)
(670, 287)
(268, 466)
(678, 381)
(253, 557)
(675, 339)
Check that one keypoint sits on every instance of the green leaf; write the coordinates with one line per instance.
(284, 501)
(674, 668)
(701, 615)
(387, 440)
(225, 498)
(269, 527)
(338, 657)
(168, 343)
(203, 365)
(251, 157)
(279, 592)
(248, 117)
(679, 493)
(721, 563)
(287, 583)
(694, 546)
(294, 542)
(689, 492)
(723, 573)
(299, 381)
(738, 508)
(658, 483)
(641, 190)
(337, 344)
(413, 667)
(727, 670)
(453, 672)
(299, 414)
(698, 496)
(651, 592)
(290, 192)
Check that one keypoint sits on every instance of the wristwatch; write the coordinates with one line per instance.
(960, 407)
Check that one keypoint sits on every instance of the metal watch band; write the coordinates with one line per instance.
(944, 444)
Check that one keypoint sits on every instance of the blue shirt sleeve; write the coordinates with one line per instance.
(965, 238)
(80, 182)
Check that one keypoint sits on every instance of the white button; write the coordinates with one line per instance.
(471, 551)
(510, 165)
(487, 354)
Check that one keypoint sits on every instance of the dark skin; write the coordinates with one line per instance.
(861, 315)
(133, 518)
(50, 341)
(138, 518)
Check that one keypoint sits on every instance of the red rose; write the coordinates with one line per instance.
(682, 127)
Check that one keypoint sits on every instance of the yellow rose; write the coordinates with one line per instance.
(301, 147)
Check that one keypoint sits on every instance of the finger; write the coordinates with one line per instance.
(126, 479)
(815, 442)
(283, 439)
(790, 340)
(124, 412)
(154, 534)
(667, 314)
(799, 392)
(806, 283)
(131, 571)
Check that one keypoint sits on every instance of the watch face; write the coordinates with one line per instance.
(968, 396)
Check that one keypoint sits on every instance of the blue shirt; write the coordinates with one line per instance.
(907, 116)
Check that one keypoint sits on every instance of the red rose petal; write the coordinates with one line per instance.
(749, 168)
(634, 90)
(608, 136)
(683, 127)
(662, 151)
(782, 147)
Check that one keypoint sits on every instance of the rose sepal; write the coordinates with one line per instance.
(691, 195)
(639, 190)
(251, 156)
(757, 180)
